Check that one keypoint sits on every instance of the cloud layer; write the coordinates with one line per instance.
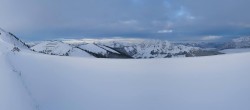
(210, 38)
(164, 19)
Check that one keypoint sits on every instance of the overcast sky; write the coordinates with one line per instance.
(156, 19)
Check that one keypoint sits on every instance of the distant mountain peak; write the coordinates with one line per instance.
(241, 42)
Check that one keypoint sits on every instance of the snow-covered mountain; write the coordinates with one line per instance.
(242, 42)
(101, 51)
(151, 49)
(129, 48)
(59, 48)
(202, 44)
(124, 48)
(12, 40)
(14, 94)
(237, 45)
(33, 81)
(84, 49)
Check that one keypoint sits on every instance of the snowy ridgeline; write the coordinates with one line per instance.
(33, 81)
(135, 48)
(120, 48)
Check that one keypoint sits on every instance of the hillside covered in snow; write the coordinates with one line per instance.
(122, 48)
(242, 42)
(35, 81)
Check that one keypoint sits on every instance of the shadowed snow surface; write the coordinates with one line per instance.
(13, 95)
(205, 83)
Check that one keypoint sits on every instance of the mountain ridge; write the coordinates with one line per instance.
(124, 48)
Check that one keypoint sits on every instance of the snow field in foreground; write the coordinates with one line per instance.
(13, 95)
(204, 83)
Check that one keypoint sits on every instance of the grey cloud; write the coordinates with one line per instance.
(37, 19)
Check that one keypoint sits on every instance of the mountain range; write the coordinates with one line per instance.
(126, 48)
(120, 48)
(37, 81)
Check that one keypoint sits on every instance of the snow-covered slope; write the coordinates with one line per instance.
(133, 48)
(238, 45)
(161, 49)
(101, 51)
(154, 48)
(76, 49)
(93, 48)
(12, 39)
(13, 93)
(59, 48)
(242, 42)
(29, 79)
(204, 83)
(146, 48)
